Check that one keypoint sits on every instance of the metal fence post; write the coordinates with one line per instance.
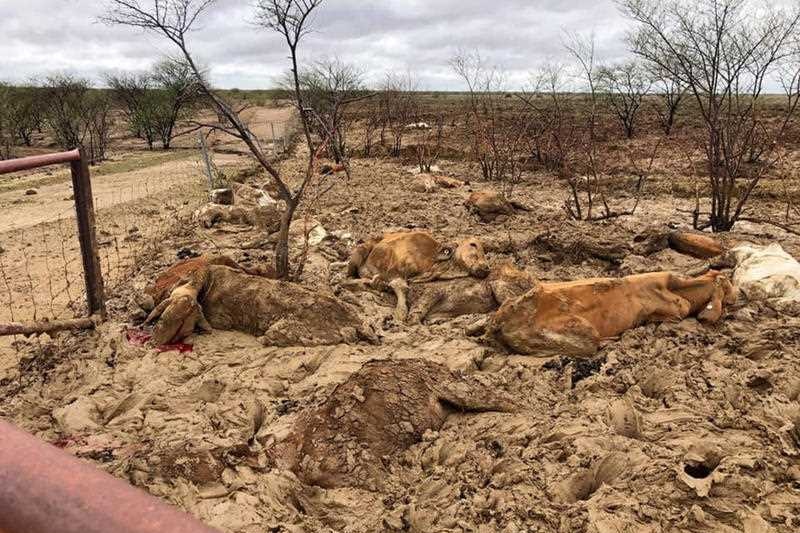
(84, 208)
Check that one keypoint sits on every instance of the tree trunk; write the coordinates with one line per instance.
(282, 247)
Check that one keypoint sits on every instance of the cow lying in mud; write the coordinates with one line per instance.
(215, 292)
(490, 205)
(444, 300)
(396, 259)
(378, 412)
(572, 318)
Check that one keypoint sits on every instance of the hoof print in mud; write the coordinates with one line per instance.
(584, 484)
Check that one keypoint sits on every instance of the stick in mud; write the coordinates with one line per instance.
(38, 328)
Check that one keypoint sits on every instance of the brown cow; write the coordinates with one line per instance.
(467, 296)
(215, 292)
(262, 217)
(695, 245)
(489, 205)
(573, 318)
(394, 259)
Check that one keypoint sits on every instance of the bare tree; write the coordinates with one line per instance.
(499, 138)
(555, 136)
(328, 88)
(669, 92)
(582, 50)
(97, 113)
(398, 100)
(724, 51)
(24, 108)
(429, 145)
(65, 97)
(177, 92)
(154, 102)
(136, 95)
(626, 85)
(372, 122)
(78, 116)
(565, 139)
(174, 19)
(6, 128)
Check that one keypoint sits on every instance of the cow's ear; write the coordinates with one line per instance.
(445, 253)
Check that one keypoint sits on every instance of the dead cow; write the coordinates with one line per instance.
(489, 205)
(573, 318)
(767, 273)
(467, 296)
(377, 413)
(394, 259)
(695, 245)
(428, 183)
(261, 217)
(216, 293)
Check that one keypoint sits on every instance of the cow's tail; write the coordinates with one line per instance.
(359, 256)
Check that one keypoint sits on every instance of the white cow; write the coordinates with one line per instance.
(767, 273)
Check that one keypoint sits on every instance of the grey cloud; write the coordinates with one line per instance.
(45, 36)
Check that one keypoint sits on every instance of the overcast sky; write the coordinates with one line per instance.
(40, 37)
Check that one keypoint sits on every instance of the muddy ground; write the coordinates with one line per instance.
(673, 427)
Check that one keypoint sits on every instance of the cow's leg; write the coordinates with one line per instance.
(355, 285)
(669, 308)
(364, 284)
(202, 322)
(156, 313)
(713, 311)
(424, 305)
(705, 294)
(400, 288)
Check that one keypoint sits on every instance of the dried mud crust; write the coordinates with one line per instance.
(674, 427)
(379, 411)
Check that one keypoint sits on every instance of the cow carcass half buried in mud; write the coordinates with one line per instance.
(216, 293)
(395, 259)
(377, 413)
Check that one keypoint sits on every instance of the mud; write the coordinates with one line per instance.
(673, 427)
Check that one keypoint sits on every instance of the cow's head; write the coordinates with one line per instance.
(467, 256)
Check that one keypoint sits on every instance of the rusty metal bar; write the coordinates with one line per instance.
(36, 161)
(84, 207)
(43, 489)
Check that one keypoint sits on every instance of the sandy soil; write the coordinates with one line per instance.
(673, 427)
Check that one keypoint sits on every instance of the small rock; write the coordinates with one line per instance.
(31, 192)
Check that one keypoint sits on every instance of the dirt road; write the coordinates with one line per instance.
(127, 177)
